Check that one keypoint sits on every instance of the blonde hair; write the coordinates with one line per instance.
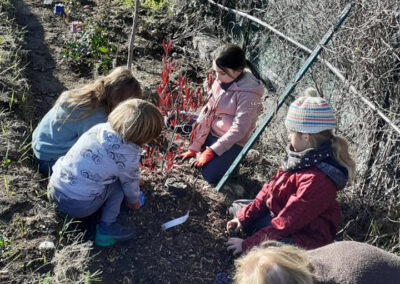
(340, 149)
(106, 92)
(136, 121)
(273, 264)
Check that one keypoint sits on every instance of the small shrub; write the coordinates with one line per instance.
(91, 46)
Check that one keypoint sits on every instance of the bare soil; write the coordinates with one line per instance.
(193, 252)
(190, 253)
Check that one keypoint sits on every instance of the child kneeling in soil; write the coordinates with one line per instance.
(103, 166)
(76, 111)
(298, 205)
(227, 121)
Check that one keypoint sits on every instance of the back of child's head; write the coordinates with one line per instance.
(313, 115)
(270, 264)
(105, 92)
(136, 121)
(119, 85)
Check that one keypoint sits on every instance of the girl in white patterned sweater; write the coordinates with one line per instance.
(103, 167)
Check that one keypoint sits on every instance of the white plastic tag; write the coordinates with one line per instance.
(175, 222)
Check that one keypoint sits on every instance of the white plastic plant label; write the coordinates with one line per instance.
(175, 222)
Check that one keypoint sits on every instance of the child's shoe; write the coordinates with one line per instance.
(109, 233)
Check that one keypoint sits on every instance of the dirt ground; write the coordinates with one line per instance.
(191, 253)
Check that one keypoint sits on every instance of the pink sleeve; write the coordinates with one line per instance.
(247, 111)
(203, 122)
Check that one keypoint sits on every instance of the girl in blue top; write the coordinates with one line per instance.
(76, 111)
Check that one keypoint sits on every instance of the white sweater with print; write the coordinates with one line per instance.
(97, 159)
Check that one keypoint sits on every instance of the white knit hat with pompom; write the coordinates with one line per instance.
(310, 114)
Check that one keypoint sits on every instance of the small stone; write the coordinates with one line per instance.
(175, 187)
(253, 155)
(46, 245)
(234, 189)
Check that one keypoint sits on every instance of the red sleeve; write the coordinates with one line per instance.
(315, 192)
(258, 207)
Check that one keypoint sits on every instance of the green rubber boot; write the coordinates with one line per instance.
(108, 234)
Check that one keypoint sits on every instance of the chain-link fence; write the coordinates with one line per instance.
(366, 50)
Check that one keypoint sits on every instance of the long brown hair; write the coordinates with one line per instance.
(340, 149)
(106, 92)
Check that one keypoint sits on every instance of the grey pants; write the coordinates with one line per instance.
(110, 200)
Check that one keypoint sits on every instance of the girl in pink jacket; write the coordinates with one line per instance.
(227, 120)
(298, 205)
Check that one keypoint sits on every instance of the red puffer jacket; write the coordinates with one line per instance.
(302, 205)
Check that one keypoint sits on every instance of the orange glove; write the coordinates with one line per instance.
(133, 205)
(204, 158)
(139, 203)
(188, 154)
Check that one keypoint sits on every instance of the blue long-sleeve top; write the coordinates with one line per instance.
(57, 133)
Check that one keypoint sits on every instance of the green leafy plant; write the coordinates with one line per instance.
(6, 248)
(46, 280)
(10, 104)
(152, 5)
(91, 46)
(87, 278)
(6, 185)
(5, 163)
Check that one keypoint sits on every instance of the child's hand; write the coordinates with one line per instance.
(141, 182)
(133, 206)
(235, 244)
(204, 158)
(233, 225)
(139, 203)
(187, 155)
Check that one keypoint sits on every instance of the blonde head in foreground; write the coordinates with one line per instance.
(273, 263)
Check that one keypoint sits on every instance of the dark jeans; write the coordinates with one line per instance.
(214, 170)
(45, 167)
(257, 224)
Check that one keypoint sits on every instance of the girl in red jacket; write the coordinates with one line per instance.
(298, 205)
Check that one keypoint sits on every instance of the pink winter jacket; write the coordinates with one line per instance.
(230, 115)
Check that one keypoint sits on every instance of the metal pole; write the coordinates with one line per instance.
(286, 93)
(323, 61)
(133, 33)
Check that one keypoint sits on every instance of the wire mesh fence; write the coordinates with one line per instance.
(366, 50)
